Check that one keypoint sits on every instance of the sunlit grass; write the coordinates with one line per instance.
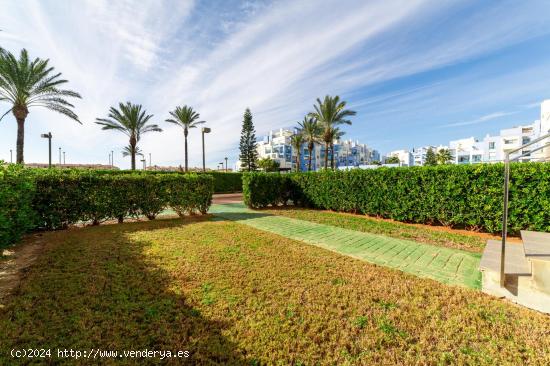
(231, 294)
(419, 233)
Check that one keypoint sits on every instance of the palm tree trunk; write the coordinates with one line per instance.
(310, 149)
(20, 140)
(133, 142)
(186, 160)
(326, 155)
(332, 156)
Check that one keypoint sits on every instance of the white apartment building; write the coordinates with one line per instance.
(277, 146)
(492, 149)
(405, 157)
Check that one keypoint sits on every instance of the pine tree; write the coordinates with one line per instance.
(431, 157)
(249, 154)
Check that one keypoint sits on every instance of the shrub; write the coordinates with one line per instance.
(71, 196)
(464, 196)
(16, 213)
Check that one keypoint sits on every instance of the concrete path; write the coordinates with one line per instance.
(450, 266)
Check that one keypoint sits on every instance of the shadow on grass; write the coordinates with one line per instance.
(96, 288)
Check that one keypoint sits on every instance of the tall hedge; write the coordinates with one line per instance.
(68, 197)
(229, 182)
(53, 199)
(461, 196)
(16, 193)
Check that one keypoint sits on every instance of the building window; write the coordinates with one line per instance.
(476, 158)
(525, 140)
(491, 145)
(464, 159)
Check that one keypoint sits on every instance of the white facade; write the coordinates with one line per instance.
(492, 149)
(277, 146)
(404, 156)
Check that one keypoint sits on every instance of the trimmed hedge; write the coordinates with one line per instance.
(16, 193)
(460, 196)
(54, 199)
(229, 182)
(69, 197)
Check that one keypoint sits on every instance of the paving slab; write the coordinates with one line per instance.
(450, 266)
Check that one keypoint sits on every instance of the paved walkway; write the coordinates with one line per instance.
(450, 266)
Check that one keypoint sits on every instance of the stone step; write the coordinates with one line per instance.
(536, 245)
(515, 261)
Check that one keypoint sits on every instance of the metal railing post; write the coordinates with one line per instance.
(504, 217)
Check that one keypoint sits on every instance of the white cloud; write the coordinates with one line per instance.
(485, 118)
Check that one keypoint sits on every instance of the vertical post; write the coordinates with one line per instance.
(150, 160)
(504, 217)
(113, 158)
(64, 158)
(203, 163)
(59, 156)
(11, 156)
(226, 164)
(50, 150)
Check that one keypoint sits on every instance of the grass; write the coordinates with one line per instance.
(231, 294)
(420, 233)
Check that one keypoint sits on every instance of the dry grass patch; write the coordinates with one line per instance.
(231, 294)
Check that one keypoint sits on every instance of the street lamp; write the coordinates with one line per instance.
(11, 156)
(59, 156)
(49, 137)
(113, 158)
(204, 130)
(144, 163)
(63, 157)
(226, 164)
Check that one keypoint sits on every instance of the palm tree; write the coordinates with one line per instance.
(187, 118)
(335, 134)
(297, 141)
(310, 131)
(25, 84)
(131, 120)
(329, 113)
(444, 156)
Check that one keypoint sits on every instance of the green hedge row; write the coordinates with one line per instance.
(54, 199)
(461, 196)
(68, 197)
(16, 195)
(223, 182)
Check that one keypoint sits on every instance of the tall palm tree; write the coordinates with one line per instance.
(311, 131)
(186, 118)
(335, 134)
(25, 84)
(297, 141)
(132, 120)
(329, 113)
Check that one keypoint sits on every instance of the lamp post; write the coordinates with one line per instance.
(113, 158)
(144, 163)
(49, 137)
(59, 156)
(150, 160)
(63, 157)
(11, 156)
(226, 164)
(204, 130)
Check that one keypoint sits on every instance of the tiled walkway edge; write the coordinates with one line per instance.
(450, 266)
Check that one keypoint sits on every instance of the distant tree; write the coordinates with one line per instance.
(268, 165)
(336, 134)
(311, 130)
(375, 162)
(444, 156)
(392, 160)
(25, 84)
(186, 118)
(131, 120)
(129, 151)
(330, 113)
(431, 157)
(248, 145)
(297, 141)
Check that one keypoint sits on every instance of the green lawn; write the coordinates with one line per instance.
(231, 294)
(393, 229)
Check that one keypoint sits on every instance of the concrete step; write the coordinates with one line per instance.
(515, 261)
(536, 245)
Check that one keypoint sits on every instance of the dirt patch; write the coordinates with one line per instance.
(227, 198)
(16, 260)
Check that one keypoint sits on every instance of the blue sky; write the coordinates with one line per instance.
(417, 72)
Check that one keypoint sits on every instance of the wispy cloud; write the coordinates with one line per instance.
(485, 118)
(275, 57)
